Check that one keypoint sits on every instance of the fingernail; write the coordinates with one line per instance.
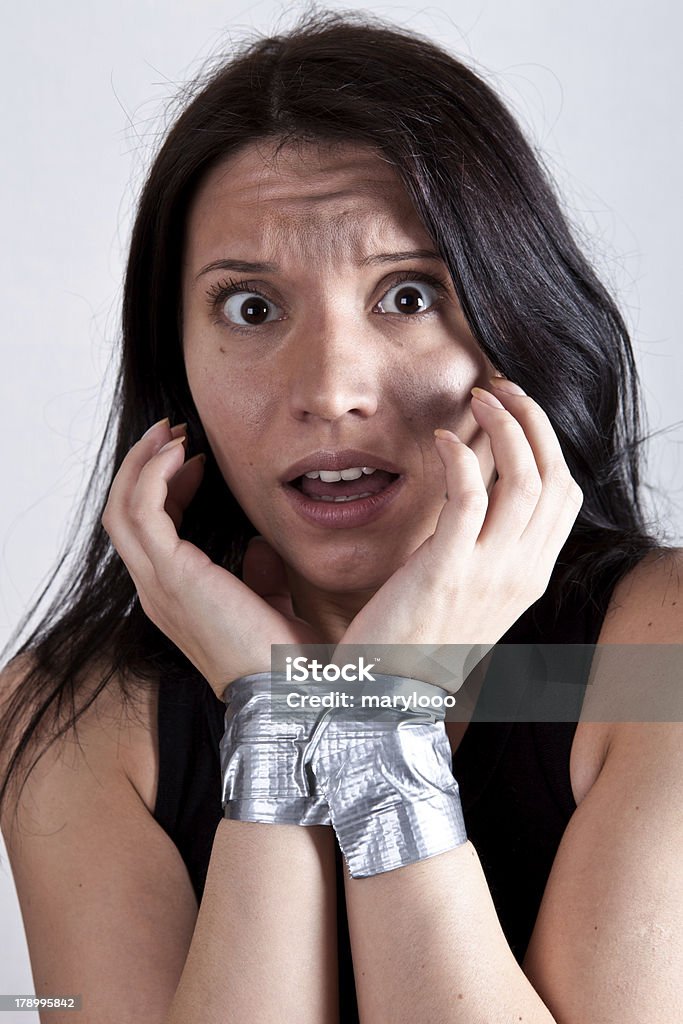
(446, 435)
(487, 398)
(157, 424)
(503, 384)
(172, 444)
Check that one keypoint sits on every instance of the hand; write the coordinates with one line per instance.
(223, 625)
(489, 558)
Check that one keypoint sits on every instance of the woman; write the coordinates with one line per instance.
(343, 234)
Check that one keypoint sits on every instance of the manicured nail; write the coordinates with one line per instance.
(157, 424)
(487, 398)
(446, 435)
(503, 384)
(172, 444)
(177, 432)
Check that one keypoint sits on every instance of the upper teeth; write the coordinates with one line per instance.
(331, 476)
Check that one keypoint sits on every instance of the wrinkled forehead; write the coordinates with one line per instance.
(309, 202)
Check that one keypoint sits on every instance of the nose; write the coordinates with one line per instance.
(333, 370)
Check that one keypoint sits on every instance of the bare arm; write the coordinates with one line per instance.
(607, 946)
(608, 943)
(427, 946)
(264, 946)
(110, 912)
(263, 943)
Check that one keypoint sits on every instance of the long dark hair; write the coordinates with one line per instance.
(533, 303)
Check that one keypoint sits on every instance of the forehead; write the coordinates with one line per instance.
(310, 201)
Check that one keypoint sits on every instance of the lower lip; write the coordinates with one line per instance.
(343, 514)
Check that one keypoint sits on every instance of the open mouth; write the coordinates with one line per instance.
(340, 491)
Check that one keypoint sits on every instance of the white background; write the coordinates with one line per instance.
(83, 88)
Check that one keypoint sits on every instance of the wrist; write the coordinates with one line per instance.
(379, 772)
(387, 779)
(264, 755)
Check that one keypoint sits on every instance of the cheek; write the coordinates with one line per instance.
(439, 394)
(427, 404)
(235, 415)
(228, 404)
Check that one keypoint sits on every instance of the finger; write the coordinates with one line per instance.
(518, 486)
(115, 510)
(147, 518)
(535, 422)
(463, 514)
(141, 452)
(142, 533)
(127, 474)
(183, 486)
(263, 571)
(561, 496)
(548, 533)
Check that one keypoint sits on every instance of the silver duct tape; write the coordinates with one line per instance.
(390, 791)
(265, 765)
(382, 777)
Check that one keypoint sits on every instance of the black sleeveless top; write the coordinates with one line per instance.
(513, 777)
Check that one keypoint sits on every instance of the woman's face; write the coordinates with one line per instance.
(340, 342)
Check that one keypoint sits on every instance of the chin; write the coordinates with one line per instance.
(351, 568)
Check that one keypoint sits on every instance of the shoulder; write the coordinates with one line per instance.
(636, 668)
(104, 893)
(646, 607)
(116, 731)
(614, 885)
(647, 603)
(635, 671)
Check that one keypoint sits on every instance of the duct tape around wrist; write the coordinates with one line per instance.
(378, 770)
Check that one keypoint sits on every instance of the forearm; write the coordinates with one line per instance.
(428, 946)
(264, 946)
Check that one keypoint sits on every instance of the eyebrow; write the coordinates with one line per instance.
(244, 267)
(395, 257)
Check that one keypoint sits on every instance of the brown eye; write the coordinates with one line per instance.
(409, 298)
(250, 311)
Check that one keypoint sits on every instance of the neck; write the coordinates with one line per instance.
(328, 613)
